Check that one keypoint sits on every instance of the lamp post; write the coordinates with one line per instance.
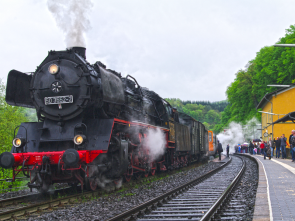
(270, 113)
(285, 45)
(277, 85)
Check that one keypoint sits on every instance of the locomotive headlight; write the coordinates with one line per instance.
(18, 142)
(53, 69)
(79, 139)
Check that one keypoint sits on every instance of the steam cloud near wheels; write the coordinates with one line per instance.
(155, 142)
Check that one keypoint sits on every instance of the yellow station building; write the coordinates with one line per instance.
(275, 106)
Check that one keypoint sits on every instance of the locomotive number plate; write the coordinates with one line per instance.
(59, 100)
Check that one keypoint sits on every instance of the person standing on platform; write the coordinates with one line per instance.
(273, 146)
(278, 147)
(251, 147)
(292, 144)
(256, 147)
(270, 144)
(267, 152)
(219, 149)
(227, 150)
(265, 149)
(262, 147)
(283, 146)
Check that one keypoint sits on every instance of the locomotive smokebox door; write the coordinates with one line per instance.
(18, 89)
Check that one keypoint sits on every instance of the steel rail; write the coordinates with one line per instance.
(49, 204)
(14, 200)
(164, 197)
(224, 195)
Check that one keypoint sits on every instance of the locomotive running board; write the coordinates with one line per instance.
(139, 123)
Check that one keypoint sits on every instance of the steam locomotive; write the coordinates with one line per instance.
(93, 126)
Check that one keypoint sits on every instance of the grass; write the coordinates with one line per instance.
(127, 194)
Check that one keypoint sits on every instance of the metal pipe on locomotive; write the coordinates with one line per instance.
(92, 123)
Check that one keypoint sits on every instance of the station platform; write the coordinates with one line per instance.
(216, 160)
(275, 198)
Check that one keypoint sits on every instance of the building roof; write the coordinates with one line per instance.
(288, 117)
(268, 96)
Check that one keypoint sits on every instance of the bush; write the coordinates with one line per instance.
(10, 118)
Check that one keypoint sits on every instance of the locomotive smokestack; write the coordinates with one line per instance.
(79, 50)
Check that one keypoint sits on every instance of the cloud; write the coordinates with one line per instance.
(184, 49)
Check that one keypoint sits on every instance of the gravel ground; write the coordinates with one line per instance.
(15, 194)
(107, 206)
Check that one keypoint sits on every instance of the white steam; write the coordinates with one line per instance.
(238, 134)
(71, 17)
(155, 143)
(251, 131)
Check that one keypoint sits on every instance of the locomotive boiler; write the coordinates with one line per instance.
(93, 125)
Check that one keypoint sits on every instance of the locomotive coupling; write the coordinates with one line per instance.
(71, 157)
(6, 160)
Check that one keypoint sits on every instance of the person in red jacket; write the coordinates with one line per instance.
(262, 147)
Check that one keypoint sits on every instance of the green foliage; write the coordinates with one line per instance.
(272, 65)
(10, 118)
(204, 111)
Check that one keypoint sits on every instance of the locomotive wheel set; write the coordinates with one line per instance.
(93, 126)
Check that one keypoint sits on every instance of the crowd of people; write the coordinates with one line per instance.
(268, 148)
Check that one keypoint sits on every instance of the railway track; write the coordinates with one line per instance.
(23, 206)
(196, 200)
(34, 204)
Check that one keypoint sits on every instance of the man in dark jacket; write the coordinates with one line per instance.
(251, 147)
(278, 147)
(219, 149)
(283, 146)
(262, 147)
(227, 150)
(292, 144)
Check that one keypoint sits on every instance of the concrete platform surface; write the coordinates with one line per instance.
(275, 199)
(217, 159)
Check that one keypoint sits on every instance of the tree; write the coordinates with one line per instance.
(10, 118)
(200, 110)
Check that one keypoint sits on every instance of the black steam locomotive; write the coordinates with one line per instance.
(93, 126)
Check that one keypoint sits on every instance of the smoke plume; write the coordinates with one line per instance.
(155, 142)
(72, 18)
(238, 134)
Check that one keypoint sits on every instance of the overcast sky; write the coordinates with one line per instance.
(187, 49)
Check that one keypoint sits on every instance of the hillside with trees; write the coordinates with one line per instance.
(209, 113)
